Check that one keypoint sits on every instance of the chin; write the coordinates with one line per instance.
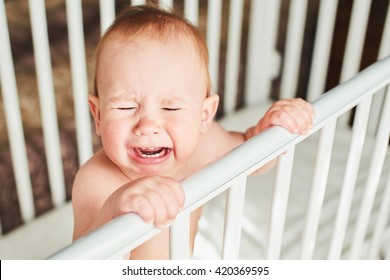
(155, 170)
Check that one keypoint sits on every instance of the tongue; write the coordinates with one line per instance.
(151, 152)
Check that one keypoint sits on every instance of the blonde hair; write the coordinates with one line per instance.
(159, 25)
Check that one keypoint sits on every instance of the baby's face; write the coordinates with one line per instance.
(151, 106)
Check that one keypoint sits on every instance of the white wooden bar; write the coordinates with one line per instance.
(47, 101)
(279, 204)
(13, 120)
(381, 223)
(381, 144)
(213, 38)
(235, 198)
(179, 238)
(264, 62)
(355, 42)
(320, 179)
(355, 39)
(137, 2)
(351, 171)
(191, 11)
(166, 4)
(107, 14)
(254, 69)
(79, 79)
(322, 47)
(233, 54)
(292, 57)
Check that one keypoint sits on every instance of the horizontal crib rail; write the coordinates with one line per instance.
(128, 231)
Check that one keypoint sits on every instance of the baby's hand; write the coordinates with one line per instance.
(295, 115)
(156, 199)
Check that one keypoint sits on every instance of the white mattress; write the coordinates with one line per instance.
(258, 200)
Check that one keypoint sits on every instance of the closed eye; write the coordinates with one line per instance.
(127, 108)
(170, 109)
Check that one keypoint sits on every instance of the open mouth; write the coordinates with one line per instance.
(151, 152)
(150, 155)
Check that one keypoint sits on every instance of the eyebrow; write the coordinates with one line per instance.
(122, 97)
(178, 101)
(173, 100)
(132, 98)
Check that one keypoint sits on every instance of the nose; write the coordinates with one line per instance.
(146, 126)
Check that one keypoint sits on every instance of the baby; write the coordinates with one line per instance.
(153, 109)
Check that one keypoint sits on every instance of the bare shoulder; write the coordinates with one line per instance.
(95, 181)
(218, 141)
(96, 173)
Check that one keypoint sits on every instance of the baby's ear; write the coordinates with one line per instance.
(210, 106)
(94, 106)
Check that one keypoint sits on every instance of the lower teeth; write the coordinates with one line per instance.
(150, 156)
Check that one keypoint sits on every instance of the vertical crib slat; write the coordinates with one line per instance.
(233, 220)
(107, 14)
(233, 54)
(378, 99)
(13, 120)
(292, 57)
(191, 11)
(318, 189)
(254, 71)
(263, 64)
(355, 39)
(79, 79)
(214, 18)
(47, 100)
(137, 2)
(382, 221)
(279, 204)
(166, 4)
(355, 151)
(179, 238)
(381, 144)
(322, 46)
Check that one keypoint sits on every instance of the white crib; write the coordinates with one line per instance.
(335, 204)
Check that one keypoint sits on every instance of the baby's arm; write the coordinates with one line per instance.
(100, 195)
(295, 115)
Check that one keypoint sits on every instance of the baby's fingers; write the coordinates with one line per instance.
(172, 196)
(287, 118)
(142, 206)
(151, 207)
(156, 199)
(307, 111)
(296, 115)
(166, 198)
(159, 208)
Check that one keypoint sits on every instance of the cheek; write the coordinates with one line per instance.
(185, 134)
(114, 132)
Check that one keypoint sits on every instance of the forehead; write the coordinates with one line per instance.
(145, 63)
(145, 41)
(178, 43)
(144, 53)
